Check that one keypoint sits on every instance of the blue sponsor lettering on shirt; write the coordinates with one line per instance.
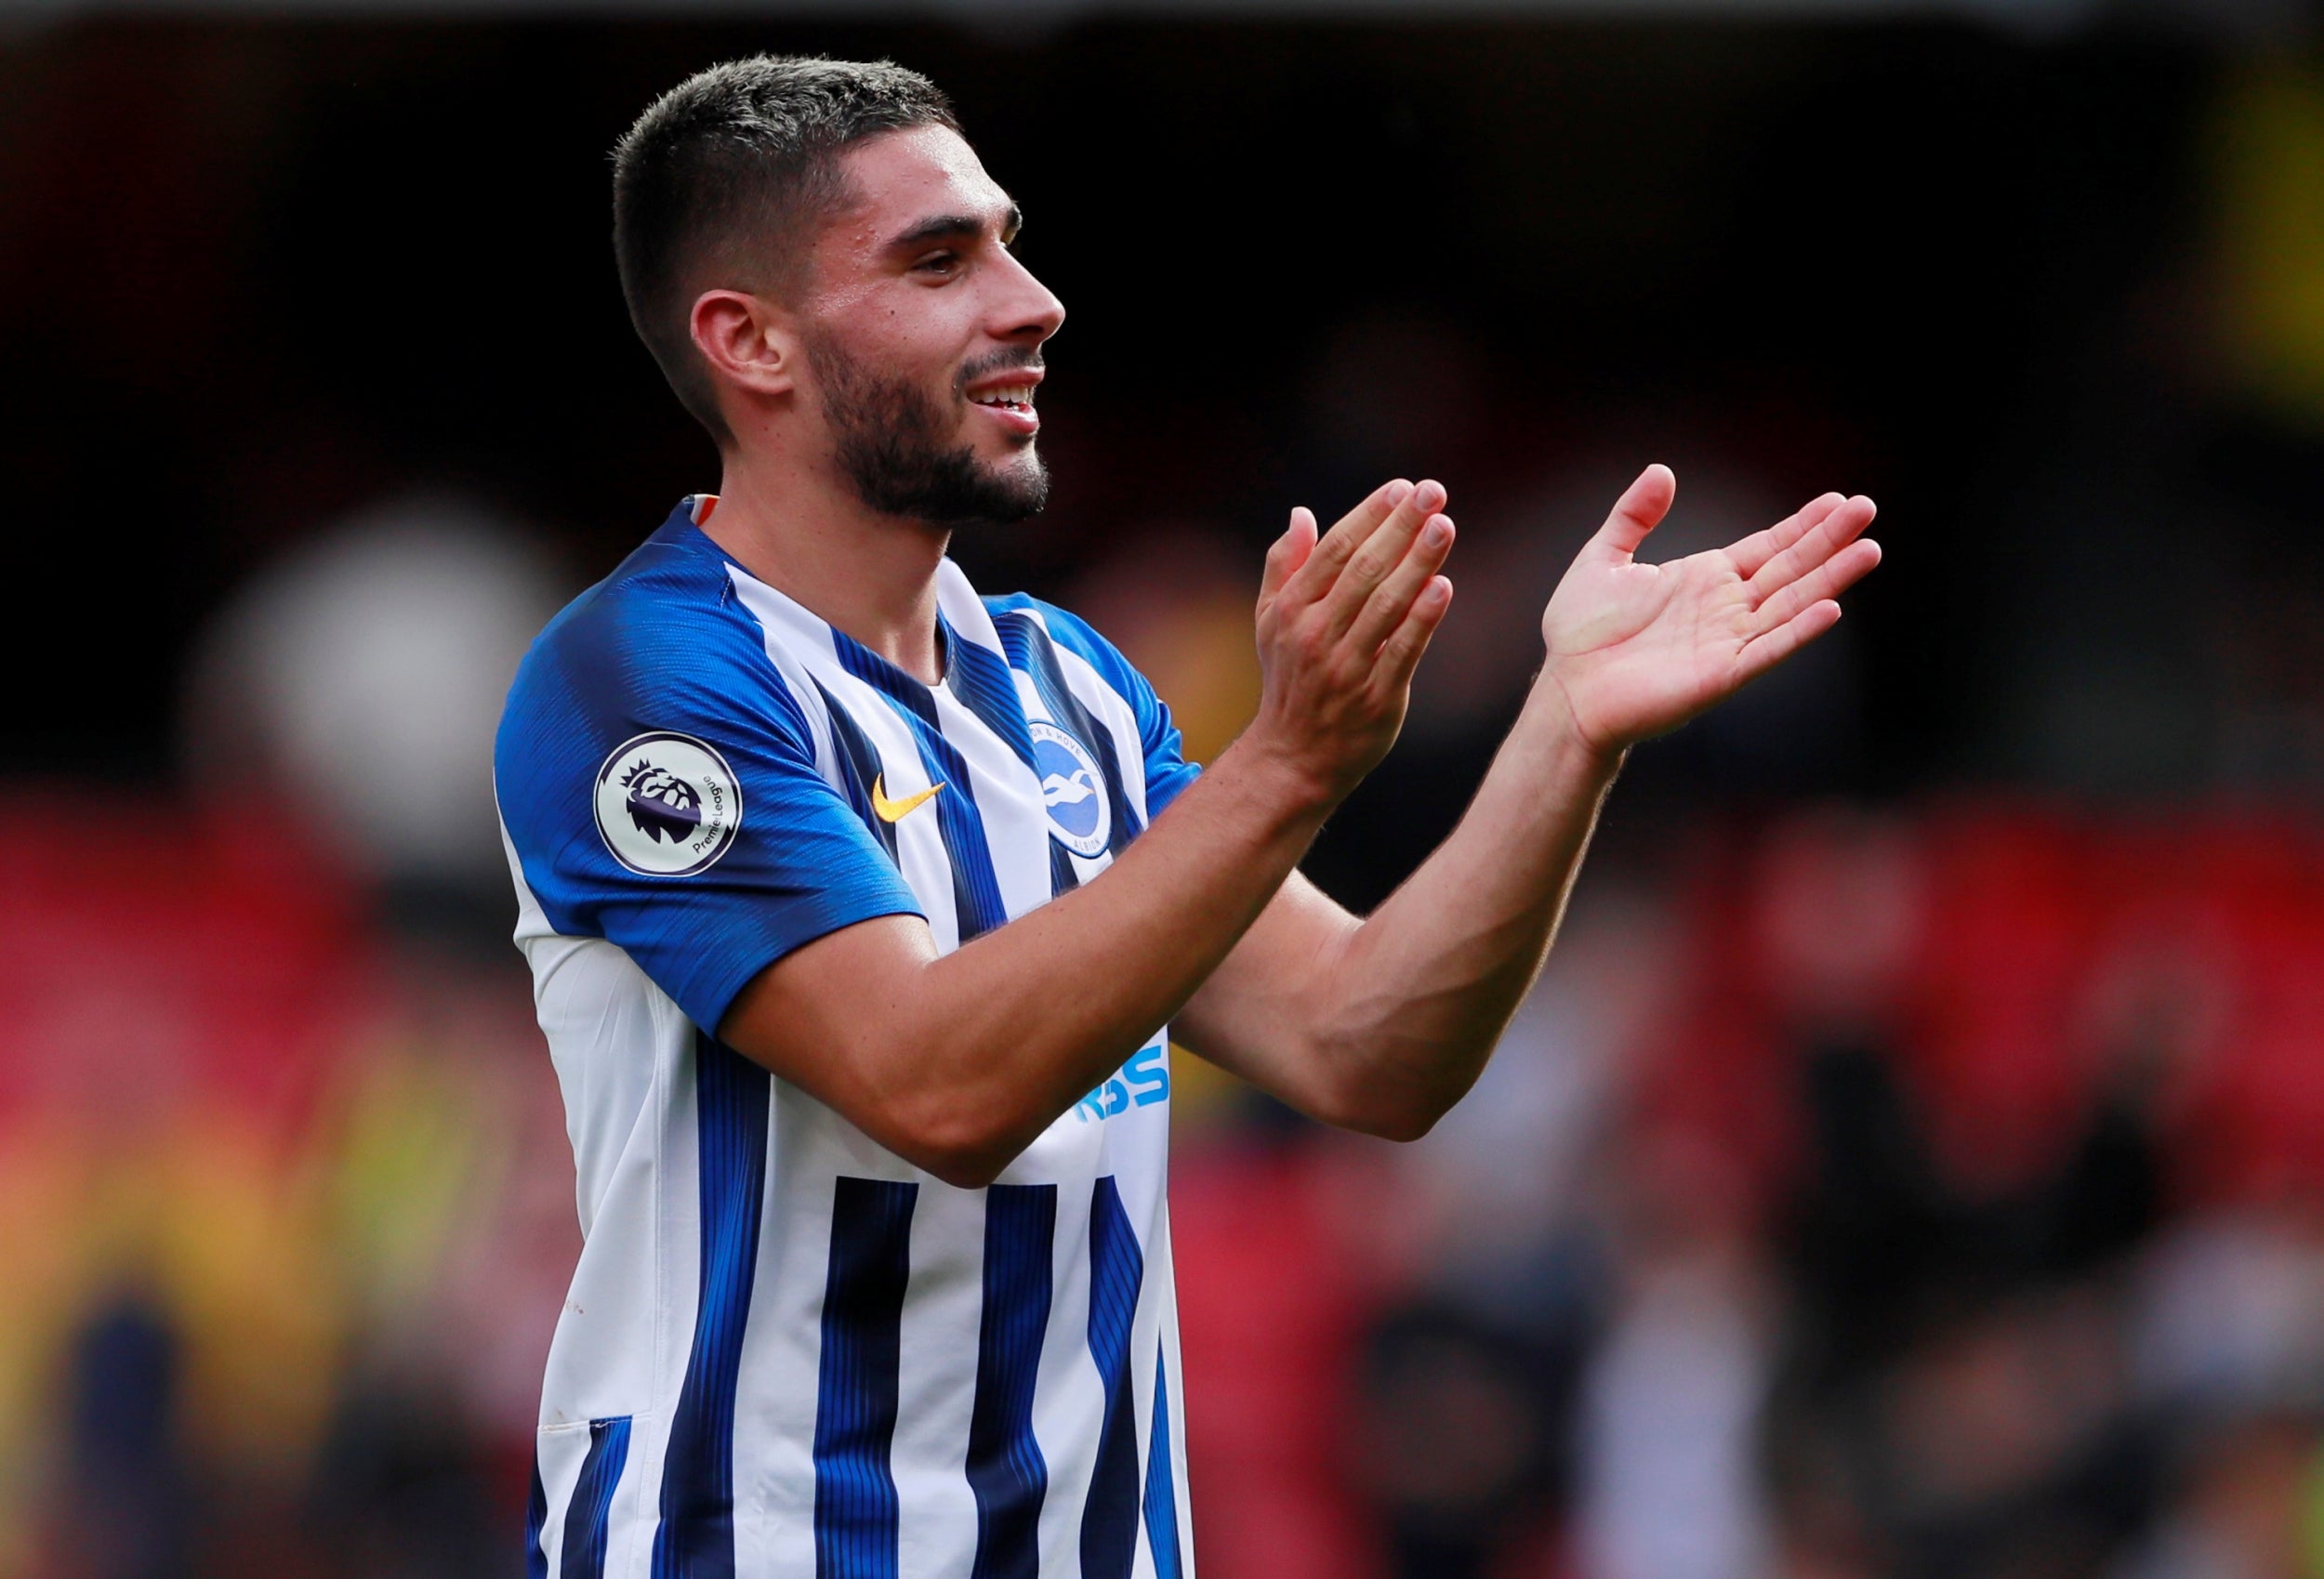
(1141, 1082)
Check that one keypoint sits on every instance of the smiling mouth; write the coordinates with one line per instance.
(1014, 397)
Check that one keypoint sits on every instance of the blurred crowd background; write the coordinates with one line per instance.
(1912, 1163)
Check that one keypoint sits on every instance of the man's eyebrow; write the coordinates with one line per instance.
(946, 226)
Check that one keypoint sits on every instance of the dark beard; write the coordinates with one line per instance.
(889, 446)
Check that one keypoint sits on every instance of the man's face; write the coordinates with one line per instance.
(924, 336)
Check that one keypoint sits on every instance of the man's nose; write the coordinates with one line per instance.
(1030, 310)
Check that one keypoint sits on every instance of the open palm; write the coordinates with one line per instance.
(1640, 649)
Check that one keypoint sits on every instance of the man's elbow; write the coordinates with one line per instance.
(1349, 1084)
(961, 1172)
(954, 1130)
(965, 1169)
(967, 1152)
(1385, 1116)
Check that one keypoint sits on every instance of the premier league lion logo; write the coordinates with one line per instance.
(661, 805)
(667, 805)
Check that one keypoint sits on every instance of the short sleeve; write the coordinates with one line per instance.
(1167, 771)
(659, 789)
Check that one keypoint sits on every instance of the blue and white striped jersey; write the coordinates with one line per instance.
(786, 1351)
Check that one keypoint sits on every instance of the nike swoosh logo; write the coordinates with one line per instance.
(895, 811)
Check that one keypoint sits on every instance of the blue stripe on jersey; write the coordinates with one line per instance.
(1109, 1522)
(857, 1512)
(535, 1517)
(780, 691)
(975, 885)
(884, 677)
(1029, 648)
(697, 1536)
(1162, 1480)
(1006, 1469)
(981, 680)
(589, 1514)
(976, 889)
(859, 765)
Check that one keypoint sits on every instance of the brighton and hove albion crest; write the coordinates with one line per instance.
(1073, 791)
(667, 805)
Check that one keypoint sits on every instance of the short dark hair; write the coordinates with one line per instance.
(721, 178)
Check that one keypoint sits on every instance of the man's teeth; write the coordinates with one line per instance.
(1015, 395)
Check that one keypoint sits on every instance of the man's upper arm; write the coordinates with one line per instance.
(667, 800)
(1256, 1015)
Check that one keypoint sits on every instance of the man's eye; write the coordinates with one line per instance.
(938, 263)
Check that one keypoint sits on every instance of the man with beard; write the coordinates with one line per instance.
(857, 904)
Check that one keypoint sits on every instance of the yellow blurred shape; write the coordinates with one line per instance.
(2270, 257)
(1204, 664)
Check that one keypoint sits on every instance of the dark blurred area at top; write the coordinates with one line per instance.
(253, 275)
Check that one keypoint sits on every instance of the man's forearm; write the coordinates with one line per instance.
(958, 1061)
(1416, 996)
(1129, 946)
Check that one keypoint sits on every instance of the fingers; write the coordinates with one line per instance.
(1754, 551)
(1637, 512)
(1799, 584)
(1287, 553)
(1829, 580)
(1386, 608)
(1400, 654)
(1836, 530)
(1379, 555)
(1764, 653)
(1321, 570)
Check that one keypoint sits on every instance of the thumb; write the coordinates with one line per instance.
(1637, 512)
(1289, 553)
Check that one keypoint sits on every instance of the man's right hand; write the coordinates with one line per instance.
(1342, 623)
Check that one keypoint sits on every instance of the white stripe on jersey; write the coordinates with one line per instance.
(935, 1394)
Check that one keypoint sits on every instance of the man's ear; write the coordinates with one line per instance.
(749, 341)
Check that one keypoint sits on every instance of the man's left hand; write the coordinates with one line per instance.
(1637, 650)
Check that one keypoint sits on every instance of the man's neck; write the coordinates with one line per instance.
(809, 536)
